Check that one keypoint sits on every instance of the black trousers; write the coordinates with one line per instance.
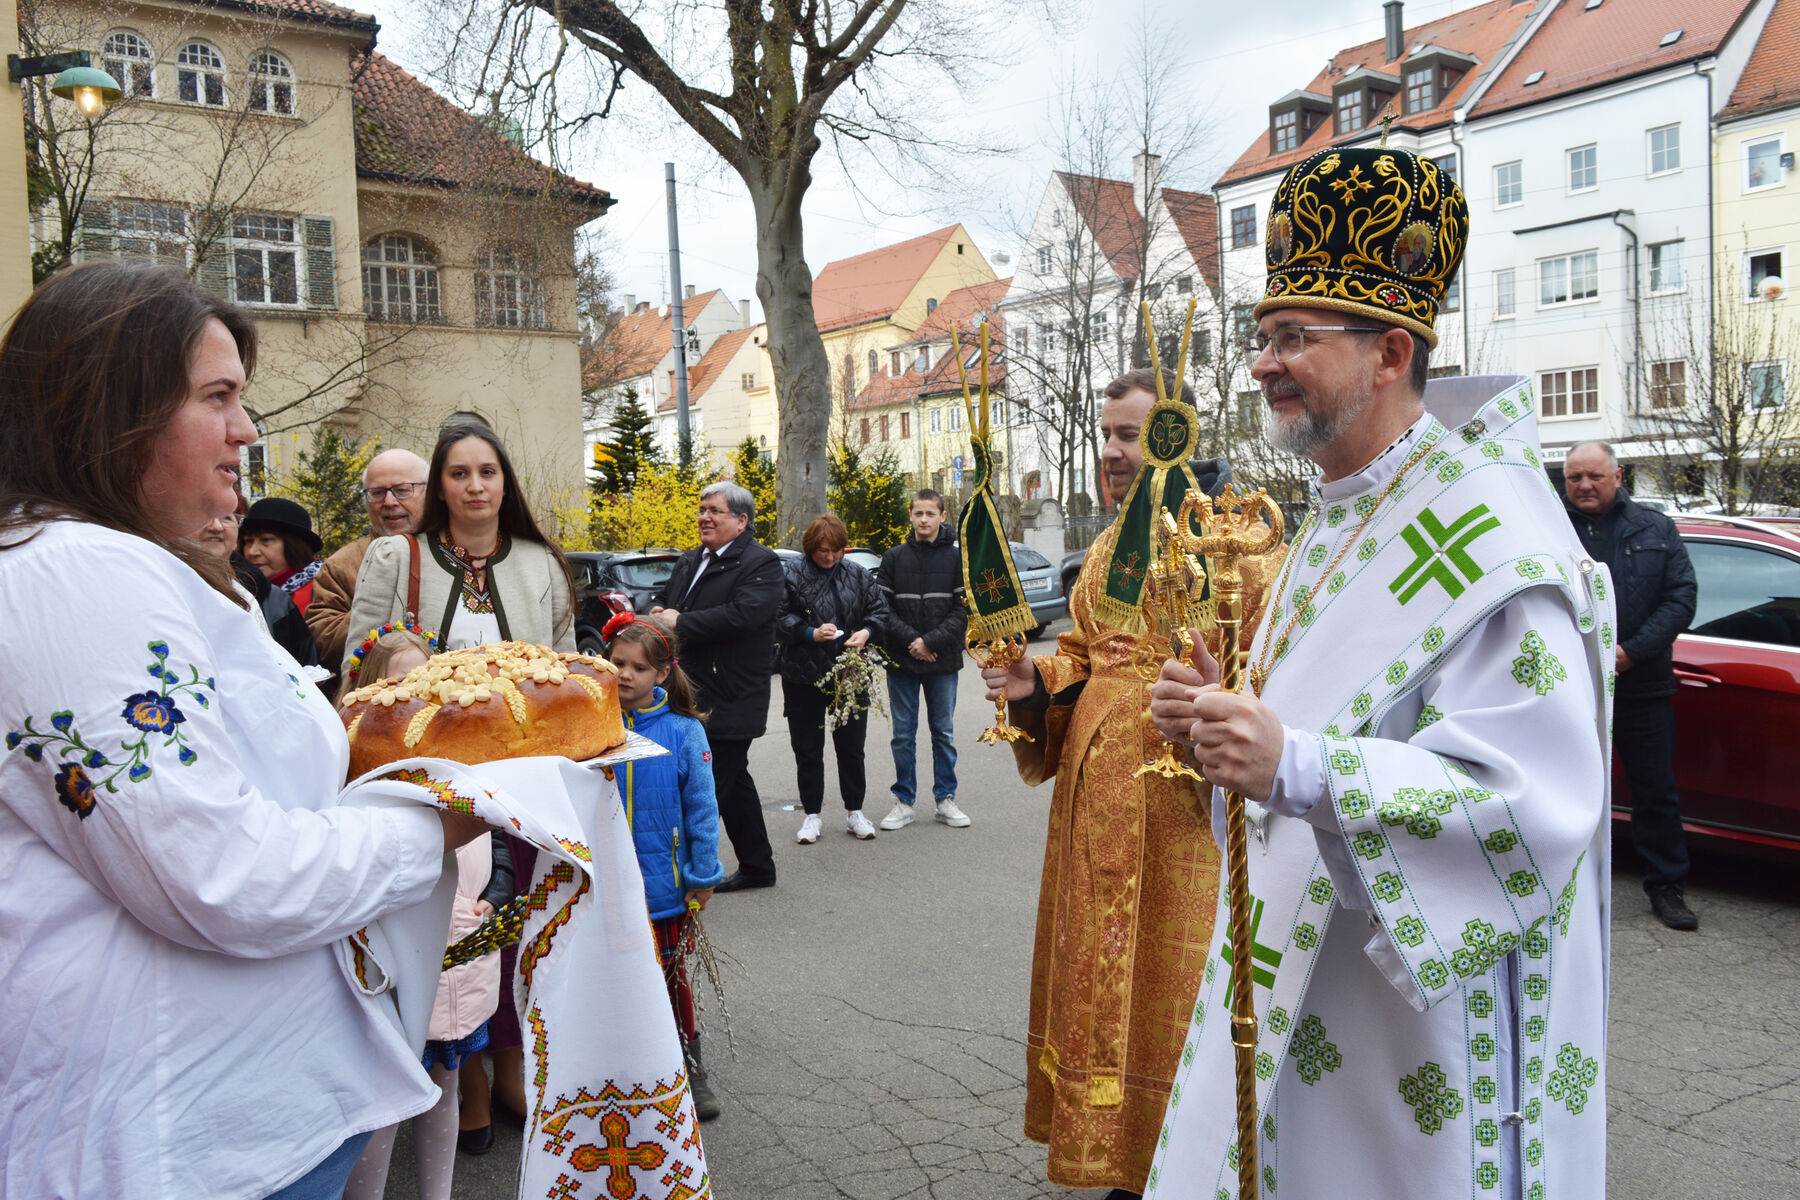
(805, 706)
(1644, 737)
(740, 808)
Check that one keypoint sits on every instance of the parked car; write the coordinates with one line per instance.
(862, 556)
(1043, 584)
(608, 582)
(1071, 570)
(1738, 705)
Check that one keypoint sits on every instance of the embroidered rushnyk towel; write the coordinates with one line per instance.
(605, 1079)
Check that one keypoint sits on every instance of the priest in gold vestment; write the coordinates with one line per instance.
(1131, 872)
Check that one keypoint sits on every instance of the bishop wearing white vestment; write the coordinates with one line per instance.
(1428, 858)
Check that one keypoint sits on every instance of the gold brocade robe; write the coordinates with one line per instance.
(1125, 910)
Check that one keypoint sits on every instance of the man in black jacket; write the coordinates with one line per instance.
(922, 579)
(723, 599)
(1653, 582)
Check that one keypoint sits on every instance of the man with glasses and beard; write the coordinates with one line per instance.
(394, 493)
(1422, 742)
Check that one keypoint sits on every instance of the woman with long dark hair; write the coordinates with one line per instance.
(175, 868)
(485, 571)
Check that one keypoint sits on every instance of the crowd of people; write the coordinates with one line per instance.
(1422, 745)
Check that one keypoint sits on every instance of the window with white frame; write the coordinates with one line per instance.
(158, 231)
(400, 280)
(1286, 130)
(1568, 278)
(1046, 260)
(200, 75)
(265, 259)
(1184, 285)
(1452, 295)
(747, 381)
(271, 84)
(253, 461)
(999, 413)
(874, 364)
(1420, 92)
(1762, 164)
(1021, 339)
(1099, 326)
(1766, 386)
(507, 292)
(1506, 301)
(1509, 184)
(1250, 407)
(1571, 393)
(1760, 267)
(1584, 168)
(865, 431)
(691, 339)
(905, 424)
(1668, 384)
(1665, 149)
(936, 418)
(923, 363)
(895, 369)
(955, 419)
(1349, 111)
(884, 427)
(127, 57)
(1665, 266)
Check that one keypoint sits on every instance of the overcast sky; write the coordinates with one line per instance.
(1234, 58)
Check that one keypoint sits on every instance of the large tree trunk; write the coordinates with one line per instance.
(796, 355)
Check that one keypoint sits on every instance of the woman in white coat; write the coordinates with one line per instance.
(174, 869)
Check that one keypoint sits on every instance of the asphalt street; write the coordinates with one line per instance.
(878, 1011)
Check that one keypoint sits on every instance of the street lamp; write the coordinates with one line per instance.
(77, 79)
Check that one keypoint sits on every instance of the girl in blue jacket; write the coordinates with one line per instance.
(670, 803)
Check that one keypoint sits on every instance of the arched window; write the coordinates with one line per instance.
(271, 84)
(465, 417)
(507, 292)
(127, 57)
(874, 364)
(200, 75)
(400, 280)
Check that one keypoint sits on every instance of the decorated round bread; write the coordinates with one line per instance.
(507, 700)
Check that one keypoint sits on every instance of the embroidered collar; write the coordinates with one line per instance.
(1381, 469)
(476, 584)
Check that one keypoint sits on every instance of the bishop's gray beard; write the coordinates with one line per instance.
(1305, 435)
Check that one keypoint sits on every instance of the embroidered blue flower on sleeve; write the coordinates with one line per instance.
(154, 714)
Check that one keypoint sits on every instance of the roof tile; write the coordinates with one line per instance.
(1771, 79)
(406, 131)
(872, 285)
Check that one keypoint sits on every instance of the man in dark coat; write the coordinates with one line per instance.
(723, 598)
(926, 627)
(1653, 582)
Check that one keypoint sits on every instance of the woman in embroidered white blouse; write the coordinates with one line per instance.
(173, 867)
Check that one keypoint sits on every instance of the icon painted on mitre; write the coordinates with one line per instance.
(1412, 249)
(1281, 237)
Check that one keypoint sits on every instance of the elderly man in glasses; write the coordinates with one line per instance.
(394, 493)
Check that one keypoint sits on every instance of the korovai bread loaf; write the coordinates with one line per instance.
(506, 700)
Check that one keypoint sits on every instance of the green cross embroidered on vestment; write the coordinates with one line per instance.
(1442, 551)
(1259, 955)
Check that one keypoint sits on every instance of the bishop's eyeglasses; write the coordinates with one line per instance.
(1290, 340)
(401, 492)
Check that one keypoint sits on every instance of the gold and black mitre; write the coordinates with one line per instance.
(1367, 230)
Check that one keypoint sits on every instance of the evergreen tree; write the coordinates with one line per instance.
(631, 448)
(869, 496)
(751, 470)
(327, 483)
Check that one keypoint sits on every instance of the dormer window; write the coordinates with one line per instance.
(1359, 96)
(1431, 73)
(1293, 118)
(1420, 90)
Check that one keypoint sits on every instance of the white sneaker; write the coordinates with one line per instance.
(949, 814)
(809, 830)
(899, 817)
(857, 825)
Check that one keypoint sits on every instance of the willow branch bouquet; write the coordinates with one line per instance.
(852, 687)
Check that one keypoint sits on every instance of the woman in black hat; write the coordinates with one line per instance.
(277, 535)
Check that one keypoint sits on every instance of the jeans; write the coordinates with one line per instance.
(804, 706)
(940, 708)
(1644, 738)
(740, 808)
(326, 1181)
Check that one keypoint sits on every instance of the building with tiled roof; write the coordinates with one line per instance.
(1097, 249)
(912, 407)
(403, 261)
(1579, 132)
(871, 303)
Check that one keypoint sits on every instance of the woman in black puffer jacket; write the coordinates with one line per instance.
(830, 606)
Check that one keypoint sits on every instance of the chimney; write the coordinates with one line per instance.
(743, 314)
(687, 291)
(1146, 182)
(1396, 29)
(630, 303)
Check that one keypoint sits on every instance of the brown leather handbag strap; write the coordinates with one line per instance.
(412, 581)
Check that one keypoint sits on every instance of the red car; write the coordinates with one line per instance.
(1737, 713)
